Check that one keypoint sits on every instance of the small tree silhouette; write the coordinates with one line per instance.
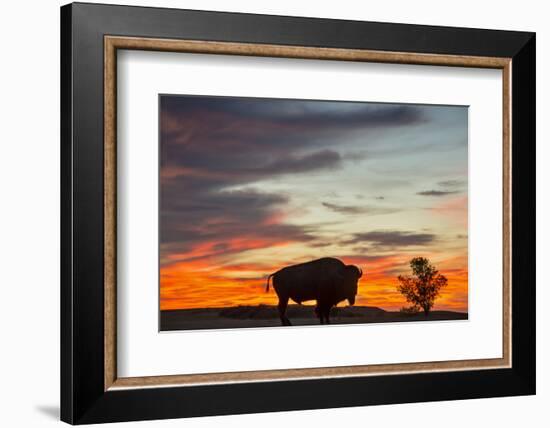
(423, 286)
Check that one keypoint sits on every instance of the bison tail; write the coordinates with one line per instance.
(267, 285)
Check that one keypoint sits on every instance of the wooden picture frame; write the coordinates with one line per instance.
(91, 390)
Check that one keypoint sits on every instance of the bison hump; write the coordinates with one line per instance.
(325, 261)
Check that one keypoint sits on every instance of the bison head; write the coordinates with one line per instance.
(350, 277)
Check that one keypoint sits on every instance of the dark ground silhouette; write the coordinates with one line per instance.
(268, 316)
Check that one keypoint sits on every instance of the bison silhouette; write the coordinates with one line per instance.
(328, 281)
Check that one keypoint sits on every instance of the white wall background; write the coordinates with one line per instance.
(29, 218)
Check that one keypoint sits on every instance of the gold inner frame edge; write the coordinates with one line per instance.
(113, 43)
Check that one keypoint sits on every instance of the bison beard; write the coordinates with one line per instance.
(328, 281)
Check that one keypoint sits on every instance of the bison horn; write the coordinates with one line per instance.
(360, 273)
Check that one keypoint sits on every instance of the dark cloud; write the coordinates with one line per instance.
(210, 145)
(437, 192)
(324, 159)
(345, 209)
(321, 244)
(353, 209)
(235, 133)
(449, 187)
(225, 216)
(303, 112)
(391, 238)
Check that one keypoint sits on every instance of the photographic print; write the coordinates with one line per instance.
(288, 212)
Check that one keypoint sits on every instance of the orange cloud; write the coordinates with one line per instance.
(200, 284)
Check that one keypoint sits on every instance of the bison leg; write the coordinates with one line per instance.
(283, 302)
(327, 315)
(323, 312)
(319, 313)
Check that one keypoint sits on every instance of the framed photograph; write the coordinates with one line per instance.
(266, 213)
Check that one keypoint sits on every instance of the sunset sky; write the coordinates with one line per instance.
(251, 185)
